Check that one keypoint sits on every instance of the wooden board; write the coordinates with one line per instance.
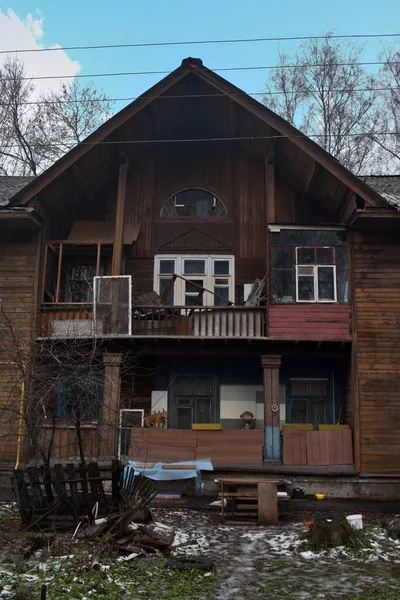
(341, 447)
(294, 447)
(318, 448)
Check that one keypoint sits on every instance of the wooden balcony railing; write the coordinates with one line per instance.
(71, 321)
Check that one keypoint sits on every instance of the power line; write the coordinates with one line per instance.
(227, 139)
(203, 42)
(219, 70)
(196, 96)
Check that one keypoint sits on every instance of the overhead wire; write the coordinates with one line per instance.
(202, 42)
(226, 139)
(196, 96)
(216, 70)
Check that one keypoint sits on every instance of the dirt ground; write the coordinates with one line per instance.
(249, 563)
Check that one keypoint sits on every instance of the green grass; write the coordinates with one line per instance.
(146, 578)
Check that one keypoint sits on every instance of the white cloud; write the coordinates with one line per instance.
(28, 33)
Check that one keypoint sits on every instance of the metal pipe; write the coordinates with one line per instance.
(21, 412)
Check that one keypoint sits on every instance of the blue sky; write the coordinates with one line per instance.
(86, 22)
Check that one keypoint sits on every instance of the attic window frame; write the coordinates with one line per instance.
(172, 203)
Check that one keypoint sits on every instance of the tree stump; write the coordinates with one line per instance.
(329, 532)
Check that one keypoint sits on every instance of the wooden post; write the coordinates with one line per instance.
(119, 220)
(267, 503)
(111, 400)
(272, 435)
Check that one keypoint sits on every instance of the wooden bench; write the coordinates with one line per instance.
(251, 498)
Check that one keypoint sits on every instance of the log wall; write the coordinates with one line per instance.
(377, 349)
(17, 293)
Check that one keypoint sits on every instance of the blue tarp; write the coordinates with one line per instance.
(158, 473)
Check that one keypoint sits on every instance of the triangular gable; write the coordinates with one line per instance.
(193, 240)
(192, 65)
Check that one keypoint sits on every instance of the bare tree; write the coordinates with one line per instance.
(328, 95)
(387, 136)
(71, 113)
(36, 130)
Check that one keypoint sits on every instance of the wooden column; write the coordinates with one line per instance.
(116, 268)
(111, 400)
(272, 434)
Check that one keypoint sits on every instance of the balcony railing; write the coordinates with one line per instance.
(74, 321)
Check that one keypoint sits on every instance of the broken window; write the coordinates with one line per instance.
(80, 396)
(193, 202)
(199, 281)
(309, 266)
(70, 269)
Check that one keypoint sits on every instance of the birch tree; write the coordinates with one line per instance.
(328, 95)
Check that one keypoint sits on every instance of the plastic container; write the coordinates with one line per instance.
(320, 496)
(355, 521)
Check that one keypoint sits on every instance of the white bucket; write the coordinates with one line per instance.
(355, 521)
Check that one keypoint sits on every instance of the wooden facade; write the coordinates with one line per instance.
(377, 349)
(322, 360)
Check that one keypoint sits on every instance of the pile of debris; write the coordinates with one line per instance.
(130, 530)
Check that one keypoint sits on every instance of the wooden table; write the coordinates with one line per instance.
(255, 496)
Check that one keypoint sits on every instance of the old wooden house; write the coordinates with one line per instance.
(215, 264)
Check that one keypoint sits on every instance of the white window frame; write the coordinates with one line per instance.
(209, 278)
(315, 277)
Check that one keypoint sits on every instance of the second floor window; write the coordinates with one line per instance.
(315, 274)
(309, 266)
(201, 281)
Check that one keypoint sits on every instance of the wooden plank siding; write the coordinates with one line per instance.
(309, 322)
(377, 310)
(17, 291)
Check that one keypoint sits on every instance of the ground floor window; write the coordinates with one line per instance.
(308, 401)
(192, 400)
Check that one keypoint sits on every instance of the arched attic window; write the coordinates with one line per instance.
(195, 203)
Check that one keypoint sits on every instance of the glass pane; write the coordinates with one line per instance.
(222, 282)
(343, 286)
(194, 285)
(282, 258)
(203, 410)
(221, 267)
(305, 256)
(194, 267)
(297, 237)
(325, 256)
(184, 414)
(222, 296)
(309, 271)
(298, 412)
(318, 388)
(167, 266)
(299, 388)
(317, 409)
(342, 257)
(164, 282)
(283, 286)
(305, 286)
(193, 300)
(326, 286)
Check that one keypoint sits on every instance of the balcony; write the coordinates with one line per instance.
(76, 321)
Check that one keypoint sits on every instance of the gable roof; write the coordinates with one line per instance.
(388, 186)
(194, 65)
(9, 186)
